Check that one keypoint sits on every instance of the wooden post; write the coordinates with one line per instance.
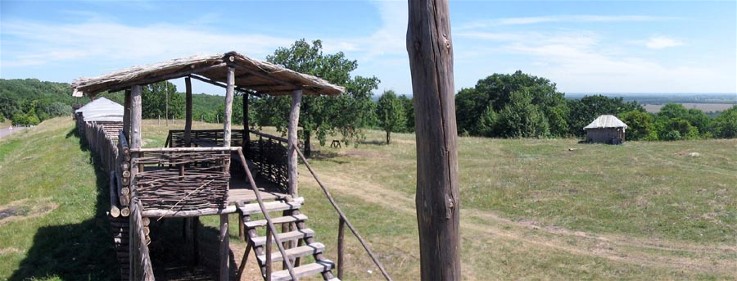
(188, 113)
(135, 117)
(230, 90)
(246, 135)
(293, 141)
(341, 247)
(127, 116)
(437, 201)
(224, 248)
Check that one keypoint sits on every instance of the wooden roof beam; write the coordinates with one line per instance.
(175, 75)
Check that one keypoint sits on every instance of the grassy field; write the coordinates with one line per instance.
(705, 107)
(531, 209)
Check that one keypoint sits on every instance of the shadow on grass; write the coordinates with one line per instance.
(85, 251)
(373, 142)
(322, 155)
(81, 251)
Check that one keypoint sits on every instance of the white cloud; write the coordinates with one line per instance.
(662, 42)
(560, 19)
(40, 43)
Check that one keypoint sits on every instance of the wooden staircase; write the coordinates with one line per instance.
(298, 240)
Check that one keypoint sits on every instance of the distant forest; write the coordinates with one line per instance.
(502, 105)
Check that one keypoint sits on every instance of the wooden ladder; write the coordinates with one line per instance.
(294, 233)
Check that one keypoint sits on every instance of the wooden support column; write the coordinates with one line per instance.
(246, 121)
(229, 91)
(127, 116)
(437, 201)
(188, 113)
(224, 249)
(136, 116)
(293, 141)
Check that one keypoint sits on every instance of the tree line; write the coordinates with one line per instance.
(520, 105)
(516, 105)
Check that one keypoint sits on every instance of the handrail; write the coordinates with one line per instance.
(343, 217)
(271, 231)
(184, 149)
(258, 133)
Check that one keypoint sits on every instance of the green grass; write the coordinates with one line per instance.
(531, 209)
(63, 235)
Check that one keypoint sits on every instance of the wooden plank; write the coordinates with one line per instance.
(430, 50)
(286, 236)
(274, 206)
(293, 142)
(304, 270)
(301, 251)
(156, 213)
(279, 220)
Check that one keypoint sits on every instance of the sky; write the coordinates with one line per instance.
(587, 47)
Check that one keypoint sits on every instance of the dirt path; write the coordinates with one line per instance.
(648, 252)
(4, 132)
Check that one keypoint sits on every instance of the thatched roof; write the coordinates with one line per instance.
(606, 121)
(250, 75)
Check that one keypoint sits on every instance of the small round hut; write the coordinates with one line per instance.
(606, 129)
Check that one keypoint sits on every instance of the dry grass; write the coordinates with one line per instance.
(531, 209)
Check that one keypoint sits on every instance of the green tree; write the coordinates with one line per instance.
(497, 93)
(346, 114)
(725, 125)
(409, 113)
(154, 101)
(390, 114)
(520, 118)
(640, 125)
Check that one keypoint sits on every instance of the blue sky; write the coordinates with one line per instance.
(584, 47)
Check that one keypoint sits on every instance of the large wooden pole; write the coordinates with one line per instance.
(136, 116)
(293, 141)
(127, 116)
(188, 113)
(224, 237)
(430, 51)
(246, 136)
(229, 91)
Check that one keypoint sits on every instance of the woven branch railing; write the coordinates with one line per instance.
(181, 179)
(269, 156)
(209, 137)
(343, 221)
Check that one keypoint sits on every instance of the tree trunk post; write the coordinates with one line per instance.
(246, 121)
(224, 249)
(229, 91)
(293, 141)
(188, 113)
(127, 116)
(136, 115)
(438, 198)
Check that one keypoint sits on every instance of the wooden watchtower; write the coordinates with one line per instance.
(209, 172)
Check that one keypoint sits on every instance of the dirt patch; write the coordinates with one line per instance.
(651, 252)
(25, 209)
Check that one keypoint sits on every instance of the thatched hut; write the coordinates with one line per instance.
(606, 129)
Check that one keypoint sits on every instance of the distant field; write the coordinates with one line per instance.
(531, 209)
(705, 107)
